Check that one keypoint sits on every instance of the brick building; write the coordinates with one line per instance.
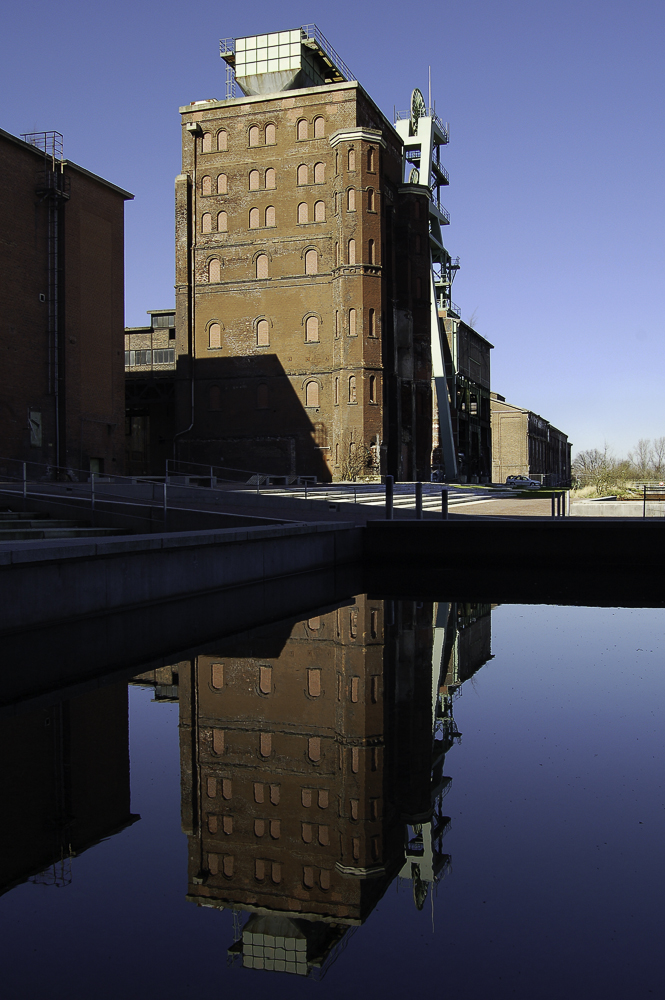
(150, 394)
(303, 272)
(61, 309)
(525, 444)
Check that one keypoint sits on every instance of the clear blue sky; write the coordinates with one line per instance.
(556, 162)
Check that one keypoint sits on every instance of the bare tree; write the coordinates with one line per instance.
(599, 469)
(658, 451)
(642, 458)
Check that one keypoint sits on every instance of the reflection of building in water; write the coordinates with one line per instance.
(312, 773)
(163, 681)
(65, 783)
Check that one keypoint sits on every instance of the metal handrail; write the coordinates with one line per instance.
(310, 31)
(428, 113)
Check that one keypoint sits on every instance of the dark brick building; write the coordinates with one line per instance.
(61, 309)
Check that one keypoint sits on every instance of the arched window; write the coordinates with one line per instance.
(351, 199)
(352, 391)
(301, 129)
(303, 174)
(370, 199)
(262, 396)
(336, 453)
(352, 251)
(312, 394)
(320, 211)
(206, 185)
(371, 323)
(214, 270)
(214, 335)
(222, 184)
(311, 262)
(263, 333)
(319, 173)
(271, 137)
(206, 145)
(270, 215)
(254, 135)
(262, 265)
(254, 221)
(319, 128)
(270, 179)
(206, 222)
(337, 322)
(337, 391)
(372, 388)
(336, 202)
(312, 334)
(222, 141)
(253, 180)
(352, 323)
(336, 254)
(370, 159)
(303, 213)
(370, 251)
(222, 222)
(215, 402)
(352, 159)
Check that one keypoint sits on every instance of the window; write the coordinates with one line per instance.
(222, 141)
(319, 173)
(259, 827)
(262, 396)
(254, 221)
(370, 251)
(352, 392)
(217, 676)
(218, 741)
(262, 265)
(206, 185)
(314, 748)
(259, 870)
(352, 159)
(211, 787)
(222, 222)
(303, 174)
(336, 161)
(314, 683)
(227, 788)
(274, 794)
(324, 836)
(371, 323)
(308, 877)
(271, 136)
(131, 358)
(312, 336)
(206, 145)
(352, 323)
(265, 680)
(275, 829)
(337, 452)
(336, 202)
(303, 214)
(254, 135)
(222, 184)
(352, 251)
(312, 394)
(336, 396)
(276, 872)
(270, 179)
(319, 128)
(253, 180)
(336, 322)
(370, 160)
(265, 744)
(227, 866)
(270, 216)
(311, 262)
(370, 200)
(372, 388)
(214, 270)
(320, 211)
(215, 403)
(336, 254)
(206, 222)
(351, 200)
(301, 129)
(214, 335)
(213, 864)
(262, 333)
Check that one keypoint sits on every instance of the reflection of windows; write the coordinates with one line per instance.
(312, 394)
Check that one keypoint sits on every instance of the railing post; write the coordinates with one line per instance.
(211, 477)
(419, 501)
(390, 483)
(553, 505)
(166, 472)
(165, 504)
(444, 504)
(92, 491)
(644, 501)
(25, 480)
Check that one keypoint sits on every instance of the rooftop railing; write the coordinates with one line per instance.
(444, 127)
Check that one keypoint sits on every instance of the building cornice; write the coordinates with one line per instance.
(357, 135)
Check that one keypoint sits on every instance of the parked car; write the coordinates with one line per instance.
(522, 482)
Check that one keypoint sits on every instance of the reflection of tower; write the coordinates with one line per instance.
(65, 781)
